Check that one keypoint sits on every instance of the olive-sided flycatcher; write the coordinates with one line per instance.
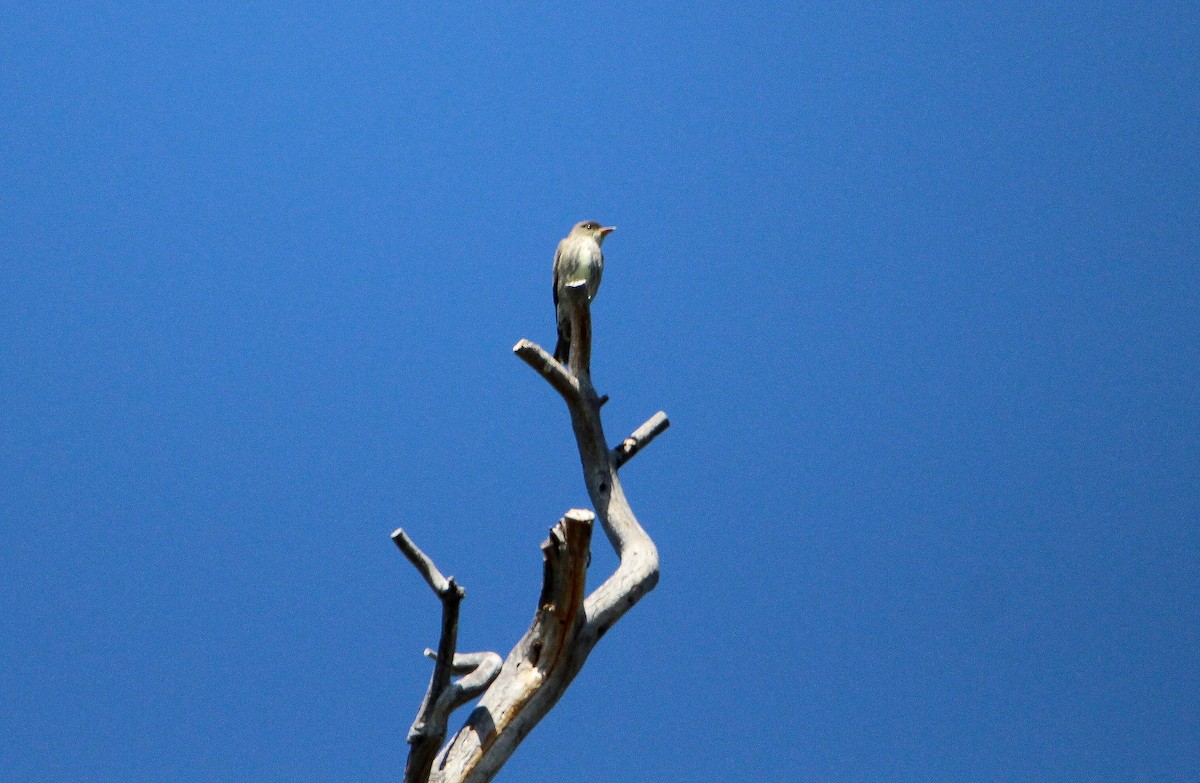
(578, 258)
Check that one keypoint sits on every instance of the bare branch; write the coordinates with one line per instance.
(429, 728)
(480, 670)
(640, 438)
(479, 674)
(540, 359)
(581, 327)
(566, 625)
(421, 561)
(465, 663)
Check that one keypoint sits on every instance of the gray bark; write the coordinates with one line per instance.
(566, 625)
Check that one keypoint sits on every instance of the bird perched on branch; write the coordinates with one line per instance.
(578, 258)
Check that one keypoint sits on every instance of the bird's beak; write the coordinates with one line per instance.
(607, 230)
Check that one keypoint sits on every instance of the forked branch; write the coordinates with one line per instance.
(443, 696)
(566, 625)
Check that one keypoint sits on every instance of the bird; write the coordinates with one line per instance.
(578, 258)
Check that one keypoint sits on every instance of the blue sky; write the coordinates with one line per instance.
(918, 285)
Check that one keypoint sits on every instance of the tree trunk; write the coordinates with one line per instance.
(566, 625)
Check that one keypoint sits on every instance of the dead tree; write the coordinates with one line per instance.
(518, 692)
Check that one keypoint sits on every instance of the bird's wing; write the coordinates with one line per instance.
(597, 264)
(557, 259)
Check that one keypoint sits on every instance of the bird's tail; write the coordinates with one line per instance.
(562, 349)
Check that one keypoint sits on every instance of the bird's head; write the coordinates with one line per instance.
(590, 228)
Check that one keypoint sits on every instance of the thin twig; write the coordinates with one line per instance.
(421, 561)
(429, 728)
(641, 437)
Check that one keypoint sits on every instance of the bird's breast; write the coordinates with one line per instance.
(581, 262)
(585, 267)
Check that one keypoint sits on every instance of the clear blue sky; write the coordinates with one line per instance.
(918, 284)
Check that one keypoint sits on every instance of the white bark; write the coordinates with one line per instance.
(566, 625)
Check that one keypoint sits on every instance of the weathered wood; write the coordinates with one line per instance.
(535, 673)
(442, 696)
(566, 625)
(641, 437)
